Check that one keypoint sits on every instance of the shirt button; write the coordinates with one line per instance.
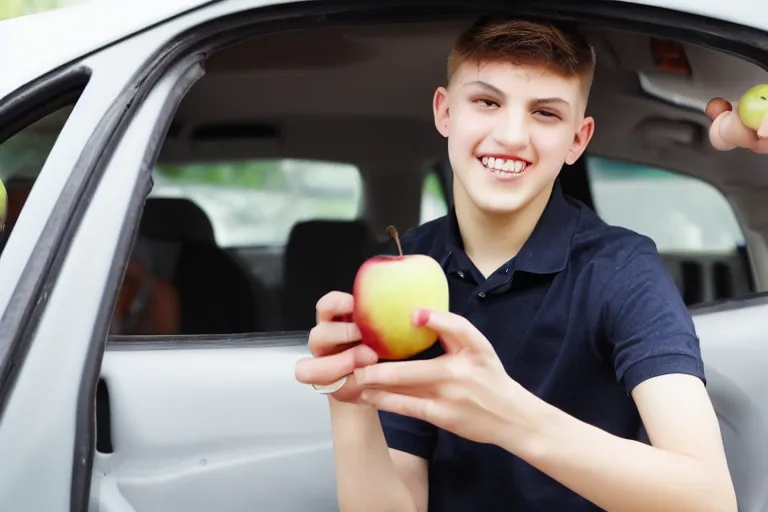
(461, 274)
(506, 270)
(481, 295)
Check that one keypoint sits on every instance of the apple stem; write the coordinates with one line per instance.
(392, 232)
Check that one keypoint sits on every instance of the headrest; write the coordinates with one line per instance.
(313, 236)
(175, 219)
(321, 256)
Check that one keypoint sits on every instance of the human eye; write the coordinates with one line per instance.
(547, 114)
(485, 103)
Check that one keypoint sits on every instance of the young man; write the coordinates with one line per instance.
(566, 337)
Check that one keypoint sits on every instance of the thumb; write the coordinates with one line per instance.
(456, 332)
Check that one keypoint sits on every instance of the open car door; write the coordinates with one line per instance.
(217, 421)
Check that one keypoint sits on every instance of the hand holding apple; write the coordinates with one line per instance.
(747, 127)
(466, 391)
(353, 331)
(336, 349)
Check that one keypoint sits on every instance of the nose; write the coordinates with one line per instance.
(512, 128)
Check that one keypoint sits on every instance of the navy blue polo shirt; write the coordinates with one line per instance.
(583, 314)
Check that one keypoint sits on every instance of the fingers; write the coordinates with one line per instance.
(762, 131)
(330, 337)
(326, 370)
(717, 106)
(456, 332)
(334, 304)
(716, 135)
(424, 409)
(402, 374)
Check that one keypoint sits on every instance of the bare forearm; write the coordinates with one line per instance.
(618, 475)
(366, 476)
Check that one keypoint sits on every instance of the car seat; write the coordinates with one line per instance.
(320, 256)
(217, 295)
(574, 180)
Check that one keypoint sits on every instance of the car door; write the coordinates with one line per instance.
(209, 422)
(47, 367)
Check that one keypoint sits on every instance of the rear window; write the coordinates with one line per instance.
(433, 203)
(680, 213)
(256, 202)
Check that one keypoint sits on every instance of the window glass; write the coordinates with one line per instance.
(433, 203)
(680, 213)
(22, 157)
(256, 202)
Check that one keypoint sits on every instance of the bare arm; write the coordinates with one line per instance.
(684, 469)
(370, 476)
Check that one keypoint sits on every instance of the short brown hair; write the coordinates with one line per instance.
(559, 48)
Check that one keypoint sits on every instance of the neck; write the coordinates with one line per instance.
(490, 240)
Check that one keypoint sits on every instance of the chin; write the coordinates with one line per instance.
(500, 204)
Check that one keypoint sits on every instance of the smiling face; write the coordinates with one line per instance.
(510, 128)
(512, 119)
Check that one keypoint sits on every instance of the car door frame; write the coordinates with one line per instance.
(88, 230)
(29, 323)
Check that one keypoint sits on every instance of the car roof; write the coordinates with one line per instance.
(78, 30)
(25, 55)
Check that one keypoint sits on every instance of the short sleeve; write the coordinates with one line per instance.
(408, 434)
(645, 323)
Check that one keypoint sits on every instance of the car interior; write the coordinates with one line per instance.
(361, 96)
(332, 130)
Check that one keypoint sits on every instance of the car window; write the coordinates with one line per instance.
(693, 225)
(22, 157)
(255, 203)
(433, 202)
(680, 213)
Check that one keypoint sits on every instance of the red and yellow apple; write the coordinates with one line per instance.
(387, 290)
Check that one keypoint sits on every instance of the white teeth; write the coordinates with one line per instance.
(504, 166)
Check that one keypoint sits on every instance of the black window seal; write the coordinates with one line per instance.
(40, 98)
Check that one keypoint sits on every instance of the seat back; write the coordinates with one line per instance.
(320, 256)
(217, 296)
(574, 179)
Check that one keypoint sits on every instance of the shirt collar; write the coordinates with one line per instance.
(546, 251)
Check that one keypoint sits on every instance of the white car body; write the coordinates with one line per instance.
(215, 422)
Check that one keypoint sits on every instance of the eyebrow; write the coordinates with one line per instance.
(548, 101)
(498, 92)
(488, 88)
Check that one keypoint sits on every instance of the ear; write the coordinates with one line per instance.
(441, 111)
(580, 140)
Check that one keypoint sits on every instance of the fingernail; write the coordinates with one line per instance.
(360, 375)
(420, 316)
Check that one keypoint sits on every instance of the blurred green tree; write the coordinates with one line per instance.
(13, 8)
